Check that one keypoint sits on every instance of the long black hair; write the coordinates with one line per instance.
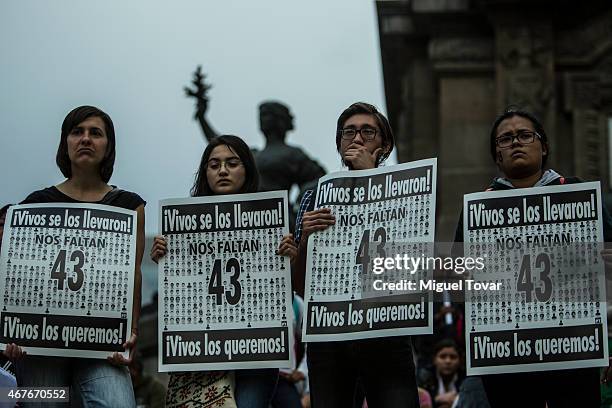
(240, 148)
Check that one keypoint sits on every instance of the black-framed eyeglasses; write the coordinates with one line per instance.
(526, 137)
(367, 133)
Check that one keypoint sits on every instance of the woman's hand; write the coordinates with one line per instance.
(306, 401)
(294, 377)
(117, 358)
(287, 247)
(13, 352)
(159, 249)
(297, 376)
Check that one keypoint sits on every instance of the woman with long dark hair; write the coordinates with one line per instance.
(228, 167)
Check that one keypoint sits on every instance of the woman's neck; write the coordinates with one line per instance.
(528, 181)
(85, 187)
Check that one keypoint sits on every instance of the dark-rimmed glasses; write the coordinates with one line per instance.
(526, 137)
(367, 133)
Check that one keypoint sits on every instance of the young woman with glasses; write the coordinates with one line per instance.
(520, 148)
(228, 167)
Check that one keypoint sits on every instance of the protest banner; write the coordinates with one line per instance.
(384, 213)
(67, 279)
(542, 247)
(225, 297)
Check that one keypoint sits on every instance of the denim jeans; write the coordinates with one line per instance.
(93, 383)
(286, 395)
(254, 388)
(384, 368)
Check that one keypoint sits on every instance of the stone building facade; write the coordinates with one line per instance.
(451, 66)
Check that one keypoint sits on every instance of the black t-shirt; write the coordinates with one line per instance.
(116, 197)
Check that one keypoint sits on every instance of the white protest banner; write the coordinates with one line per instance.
(381, 214)
(542, 248)
(67, 279)
(224, 294)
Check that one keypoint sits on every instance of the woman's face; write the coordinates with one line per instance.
(224, 171)
(87, 143)
(446, 361)
(519, 160)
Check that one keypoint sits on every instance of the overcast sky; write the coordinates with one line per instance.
(132, 59)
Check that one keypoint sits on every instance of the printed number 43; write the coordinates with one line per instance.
(215, 286)
(524, 283)
(363, 252)
(59, 270)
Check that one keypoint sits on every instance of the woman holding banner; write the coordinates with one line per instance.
(86, 156)
(520, 148)
(228, 167)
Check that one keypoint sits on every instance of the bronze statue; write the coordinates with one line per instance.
(280, 165)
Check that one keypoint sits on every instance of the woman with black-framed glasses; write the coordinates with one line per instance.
(520, 148)
(523, 137)
(228, 167)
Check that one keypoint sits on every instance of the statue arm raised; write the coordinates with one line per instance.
(201, 97)
(209, 132)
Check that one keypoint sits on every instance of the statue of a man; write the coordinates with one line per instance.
(280, 165)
